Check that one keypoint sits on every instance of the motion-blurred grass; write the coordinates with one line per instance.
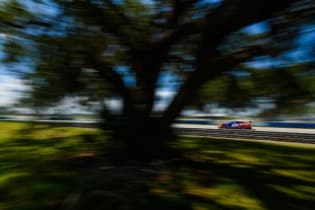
(41, 165)
(229, 174)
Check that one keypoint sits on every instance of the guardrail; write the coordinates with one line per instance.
(275, 124)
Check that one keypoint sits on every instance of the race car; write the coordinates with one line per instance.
(237, 124)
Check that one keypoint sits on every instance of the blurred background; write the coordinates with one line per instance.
(45, 45)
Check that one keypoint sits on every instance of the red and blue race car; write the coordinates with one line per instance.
(237, 124)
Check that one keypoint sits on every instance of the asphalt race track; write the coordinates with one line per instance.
(270, 129)
(257, 133)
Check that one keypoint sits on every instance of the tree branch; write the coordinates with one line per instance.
(178, 33)
(226, 18)
(219, 65)
(179, 8)
(235, 14)
(108, 74)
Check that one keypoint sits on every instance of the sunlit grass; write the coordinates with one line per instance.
(30, 174)
(250, 175)
(41, 165)
(227, 194)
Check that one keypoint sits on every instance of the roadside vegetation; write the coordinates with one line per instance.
(44, 167)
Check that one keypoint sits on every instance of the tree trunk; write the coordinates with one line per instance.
(137, 134)
(140, 138)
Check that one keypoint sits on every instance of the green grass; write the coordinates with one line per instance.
(229, 174)
(40, 166)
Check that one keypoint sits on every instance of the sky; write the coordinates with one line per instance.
(10, 89)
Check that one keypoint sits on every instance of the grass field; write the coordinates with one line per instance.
(35, 164)
(40, 166)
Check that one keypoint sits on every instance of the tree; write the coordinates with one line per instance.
(80, 46)
(289, 88)
(282, 78)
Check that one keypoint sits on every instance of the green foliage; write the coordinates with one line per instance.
(290, 88)
(227, 91)
(13, 12)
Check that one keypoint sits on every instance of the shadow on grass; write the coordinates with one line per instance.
(248, 175)
(61, 168)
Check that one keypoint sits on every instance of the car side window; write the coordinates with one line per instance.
(234, 125)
